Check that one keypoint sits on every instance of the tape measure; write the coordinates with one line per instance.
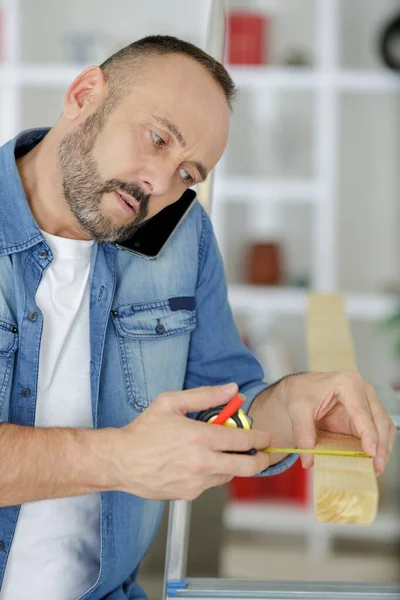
(230, 415)
(238, 419)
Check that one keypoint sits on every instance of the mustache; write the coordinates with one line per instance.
(132, 189)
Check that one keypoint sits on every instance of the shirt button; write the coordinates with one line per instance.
(32, 316)
(42, 254)
(25, 392)
(160, 328)
(2, 545)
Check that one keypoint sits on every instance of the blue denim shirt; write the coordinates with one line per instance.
(132, 360)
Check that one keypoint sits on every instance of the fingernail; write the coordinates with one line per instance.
(306, 461)
(380, 465)
(229, 388)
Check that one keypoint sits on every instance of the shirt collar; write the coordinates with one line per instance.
(19, 229)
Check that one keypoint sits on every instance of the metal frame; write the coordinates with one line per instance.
(177, 547)
(177, 585)
(215, 589)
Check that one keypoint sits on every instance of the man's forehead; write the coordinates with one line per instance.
(196, 115)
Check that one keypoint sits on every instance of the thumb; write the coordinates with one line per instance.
(201, 398)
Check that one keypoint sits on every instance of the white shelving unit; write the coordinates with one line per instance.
(311, 79)
(274, 518)
(327, 81)
(293, 302)
(272, 78)
(254, 190)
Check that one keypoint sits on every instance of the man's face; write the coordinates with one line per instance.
(124, 166)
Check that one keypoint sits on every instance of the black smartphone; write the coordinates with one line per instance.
(150, 238)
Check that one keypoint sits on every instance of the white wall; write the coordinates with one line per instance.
(46, 23)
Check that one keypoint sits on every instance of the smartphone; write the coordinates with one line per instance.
(150, 238)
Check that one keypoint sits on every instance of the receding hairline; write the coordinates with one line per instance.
(121, 75)
(120, 68)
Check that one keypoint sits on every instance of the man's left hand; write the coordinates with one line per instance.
(295, 407)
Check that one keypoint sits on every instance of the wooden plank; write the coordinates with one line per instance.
(345, 488)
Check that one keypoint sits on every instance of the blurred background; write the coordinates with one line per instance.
(307, 196)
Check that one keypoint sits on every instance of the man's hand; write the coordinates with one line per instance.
(161, 455)
(295, 407)
(165, 455)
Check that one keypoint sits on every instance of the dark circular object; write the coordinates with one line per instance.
(389, 44)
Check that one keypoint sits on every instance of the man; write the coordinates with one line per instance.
(103, 353)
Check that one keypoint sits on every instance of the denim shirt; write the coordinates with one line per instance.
(132, 358)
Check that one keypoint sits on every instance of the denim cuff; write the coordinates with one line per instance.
(251, 391)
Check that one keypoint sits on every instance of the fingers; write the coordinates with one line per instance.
(355, 398)
(241, 465)
(304, 432)
(228, 439)
(218, 468)
(382, 425)
(385, 428)
(196, 399)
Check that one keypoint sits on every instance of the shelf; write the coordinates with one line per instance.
(256, 189)
(368, 81)
(274, 77)
(293, 301)
(39, 75)
(55, 75)
(308, 79)
(263, 517)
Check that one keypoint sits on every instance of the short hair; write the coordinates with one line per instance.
(119, 76)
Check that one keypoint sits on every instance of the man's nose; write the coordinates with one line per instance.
(157, 180)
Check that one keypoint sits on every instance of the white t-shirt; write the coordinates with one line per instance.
(56, 548)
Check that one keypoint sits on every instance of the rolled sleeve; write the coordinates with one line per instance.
(251, 392)
(217, 354)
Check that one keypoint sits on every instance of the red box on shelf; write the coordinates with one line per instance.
(246, 38)
(290, 486)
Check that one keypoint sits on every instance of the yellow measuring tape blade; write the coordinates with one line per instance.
(323, 452)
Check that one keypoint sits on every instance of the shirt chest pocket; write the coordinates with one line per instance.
(8, 347)
(153, 342)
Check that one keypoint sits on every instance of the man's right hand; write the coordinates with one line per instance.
(161, 455)
(165, 455)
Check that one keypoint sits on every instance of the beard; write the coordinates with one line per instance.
(83, 186)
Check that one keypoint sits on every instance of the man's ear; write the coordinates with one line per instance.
(87, 91)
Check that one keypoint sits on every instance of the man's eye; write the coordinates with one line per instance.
(185, 176)
(157, 139)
